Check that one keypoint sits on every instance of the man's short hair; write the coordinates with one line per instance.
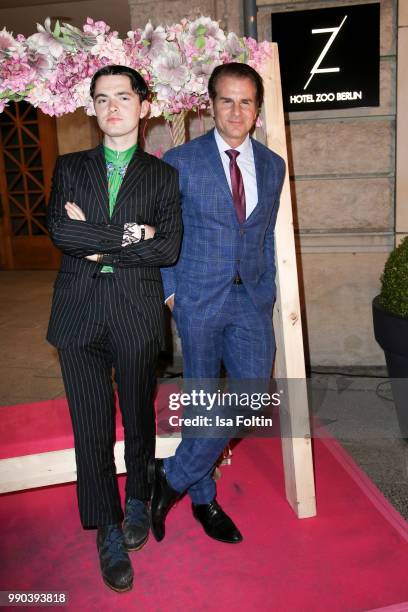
(137, 81)
(239, 71)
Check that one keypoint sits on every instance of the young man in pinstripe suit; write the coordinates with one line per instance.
(114, 213)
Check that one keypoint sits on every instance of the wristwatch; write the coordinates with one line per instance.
(133, 233)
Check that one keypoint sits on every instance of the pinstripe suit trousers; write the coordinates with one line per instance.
(112, 334)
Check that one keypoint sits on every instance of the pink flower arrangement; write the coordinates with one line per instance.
(52, 69)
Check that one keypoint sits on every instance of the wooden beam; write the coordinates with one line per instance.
(56, 467)
(289, 362)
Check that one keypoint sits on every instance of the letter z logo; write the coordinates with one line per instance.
(316, 69)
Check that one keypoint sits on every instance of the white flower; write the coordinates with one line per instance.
(163, 92)
(80, 93)
(42, 63)
(154, 40)
(44, 42)
(156, 109)
(204, 69)
(205, 26)
(233, 45)
(8, 44)
(169, 69)
(39, 94)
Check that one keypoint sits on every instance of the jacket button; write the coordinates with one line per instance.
(241, 232)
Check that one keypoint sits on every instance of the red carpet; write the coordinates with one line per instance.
(352, 557)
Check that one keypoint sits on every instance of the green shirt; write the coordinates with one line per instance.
(116, 166)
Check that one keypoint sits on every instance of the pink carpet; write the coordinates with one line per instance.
(352, 557)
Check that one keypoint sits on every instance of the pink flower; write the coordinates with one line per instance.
(158, 152)
(52, 69)
(95, 27)
(17, 75)
(258, 53)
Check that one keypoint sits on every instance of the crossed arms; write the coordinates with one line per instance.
(110, 243)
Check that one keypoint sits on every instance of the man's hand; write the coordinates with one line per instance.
(149, 231)
(77, 214)
(170, 302)
(74, 212)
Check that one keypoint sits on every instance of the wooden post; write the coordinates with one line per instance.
(289, 363)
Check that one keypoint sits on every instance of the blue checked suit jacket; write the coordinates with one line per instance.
(215, 246)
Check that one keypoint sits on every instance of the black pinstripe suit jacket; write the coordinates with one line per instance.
(149, 194)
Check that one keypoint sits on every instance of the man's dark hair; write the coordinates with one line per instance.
(240, 71)
(137, 81)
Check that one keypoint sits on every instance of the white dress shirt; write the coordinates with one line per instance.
(246, 164)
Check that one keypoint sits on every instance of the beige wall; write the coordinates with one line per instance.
(401, 208)
(342, 171)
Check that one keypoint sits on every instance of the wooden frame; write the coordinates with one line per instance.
(59, 466)
(289, 363)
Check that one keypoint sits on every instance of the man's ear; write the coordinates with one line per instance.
(144, 108)
(211, 108)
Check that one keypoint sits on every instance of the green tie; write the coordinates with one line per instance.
(116, 166)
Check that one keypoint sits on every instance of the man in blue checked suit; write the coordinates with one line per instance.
(222, 289)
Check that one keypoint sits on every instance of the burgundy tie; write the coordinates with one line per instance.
(237, 184)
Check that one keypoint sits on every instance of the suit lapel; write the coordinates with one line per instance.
(96, 168)
(134, 173)
(261, 168)
(212, 158)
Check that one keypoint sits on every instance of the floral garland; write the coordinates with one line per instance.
(52, 69)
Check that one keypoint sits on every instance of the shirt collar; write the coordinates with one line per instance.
(244, 148)
(119, 157)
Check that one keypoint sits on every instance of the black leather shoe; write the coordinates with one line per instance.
(117, 572)
(216, 523)
(136, 524)
(163, 498)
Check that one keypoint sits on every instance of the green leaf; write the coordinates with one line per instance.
(201, 30)
(200, 42)
(394, 290)
(57, 29)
